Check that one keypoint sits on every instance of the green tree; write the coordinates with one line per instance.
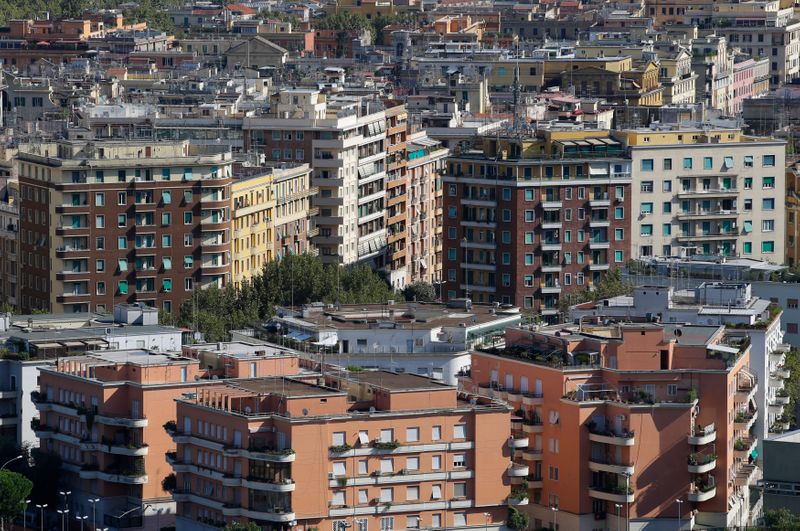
(346, 21)
(516, 519)
(420, 291)
(781, 519)
(792, 386)
(236, 526)
(610, 285)
(14, 490)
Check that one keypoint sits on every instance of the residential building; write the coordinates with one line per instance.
(9, 259)
(103, 414)
(397, 225)
(426, 163)
(294, 219)
(343, 138)
(792, 226)
(528, 216)
(712, 189)
(294, 453)
(100, 223)
(780, 472)
(420, 338)
(675, 74)
(728, 304)
(252, 214)
(616, 422)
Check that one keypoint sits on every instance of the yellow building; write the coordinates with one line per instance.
(253, 210)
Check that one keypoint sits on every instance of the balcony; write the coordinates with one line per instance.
(781, 398)
(533, 454)
(597, 464)
(599, 244)
(746, 474)
(701, 463)
(124, 422)
(600, 202)
(551, 245)
(617, 494)
(702, 493)
(703, 435)
(554, 204)
(133, 450)
(551, 224)
(743, 447)
(782, 372)
(532, 399)
(551, 268)
(744, 420)
(599, 267)
(517, 499)
(532, 426)
(599, 223)
(518, 442)
(518, 471)
(551, 287)
(623, 439)
(707, 192)
(704, 214)
(124, 477)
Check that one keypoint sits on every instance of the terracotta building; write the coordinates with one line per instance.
(109, 222)
(617, 422)
(368, 450)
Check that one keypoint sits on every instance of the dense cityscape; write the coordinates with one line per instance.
(441, 265)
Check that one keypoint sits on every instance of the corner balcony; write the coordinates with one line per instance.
(612, 494)
(703, 435)
(745, 420)
(125, 422)
(781, 399)
(605, 465)
(743, 447)
(783, 372)
(746, 474)
(702, 493)
(518, 442)
(132, 450)
(532, 399)
(534, 454)
(775, 381)
(532, 426)
(701, 463)
(623, 439)
(516, 501)
(114, 476)
(518, 471)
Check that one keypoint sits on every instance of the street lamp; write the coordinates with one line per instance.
(24, 512)
(555, 517)
(618, 506)
(627, 503)
(63, 513)
(679, 502)
(41, 515)
(82, 518)
(487, 516)
(65, 493)
(94, 501)
(11, 461)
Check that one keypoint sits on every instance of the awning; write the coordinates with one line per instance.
(327, 342)
(72, 343)
(47, 345)
(363, 438)
(754, 453)
(598, 169)
(303, 337)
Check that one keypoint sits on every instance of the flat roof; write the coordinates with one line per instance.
(281, 386)
(690, 334)
(393, 381)
(243, 350)
(140, 357)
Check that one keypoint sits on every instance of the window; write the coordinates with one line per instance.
(459, 520)
(619, 192)
(666, 229)
(387, 466)
(647, 186)
(412, 463)
(748, 161)
(387, 494)
(748, 204)
(506, 194)
(567, 261)
(122, 242)
(387, 435)
(460, 490)
(728, 162)
(747, 248)
(451, 253)
(412, 493)
(748, 183)
(121, 198)
(506, 258)
(166, 197)
(553, 473)
(436, 492)
(506, 214)
(708, 163)
(460, 431)
(528, 259)
(768, 161)
(767, 225)
(667, 164)
(768, 247)
(618, 256)
(122, 263)
(506, 236)
(99, 222)
(412, 434)
(436, 462)
(529, 216)
(647, 208)
(187, 196)
(100, 265)
(767, 204)
(123, 287)
(528, 238)
(687, 163)
(528, 194)
(339, 468)
(666, 207)
(459, 460)
(647, 164)
(768, 182)
(166, 241)
(387, 523)
(338, 438)
(619, 234)
(666, 186)
(166, 218)
(619, 213)
(100, 199)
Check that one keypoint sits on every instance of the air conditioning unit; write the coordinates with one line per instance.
(331, 475)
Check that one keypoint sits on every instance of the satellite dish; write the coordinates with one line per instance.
(678, 332)
(248, 410)
(196, 377)
(305, 412)
(372, 409)
(215, 377)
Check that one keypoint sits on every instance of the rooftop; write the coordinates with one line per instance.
(287, 387)
(392, 381)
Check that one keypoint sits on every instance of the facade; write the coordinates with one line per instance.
(9, 259)
(101, 222)
(300, 455)
(252, 214)
(529, 216)
(615, 423)
(397, 223)
(344, 141)
(715, 191)
(792, 215)
(781, 473)
(294, 219)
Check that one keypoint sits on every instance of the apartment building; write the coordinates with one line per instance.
(343, 138)
(780, 472)
(728, 304)
(100, 223)
(713, 190)
(9, 259)
(252, 214)
(618, 423)
(369, 450)
(102, 413)
(675, 73)
(426, 163)
(294, 221)
(397, 256)
(528, 216)
(428, 339)
(792, 215)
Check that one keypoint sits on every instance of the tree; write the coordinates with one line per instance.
(169, 483)
(781, 519)
(420, 291)
(610, 285)
(236, 526)
(14, 490)
(516, 519)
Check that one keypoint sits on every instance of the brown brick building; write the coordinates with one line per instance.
(529, 218)
(103, 223)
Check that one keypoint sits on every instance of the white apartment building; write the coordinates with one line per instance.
(713, 303)
(714, 191)
(343, 138)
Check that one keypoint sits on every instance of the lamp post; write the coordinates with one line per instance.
(618, 506)
(679, 502)
(627, 503)
(11, 461)
(555, 517)
(66, 494)
(94, 501)
(486, 516)
(63, 513)
(82, 518)
(41, 515)
(24, 512)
